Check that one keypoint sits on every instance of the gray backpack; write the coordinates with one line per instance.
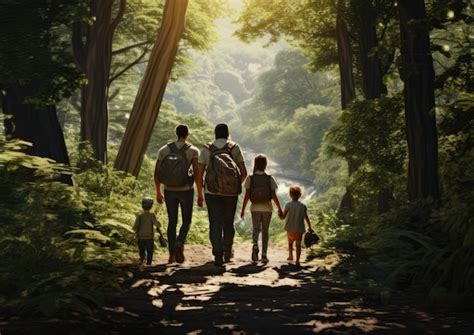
(260, 188)
(222, 175)
(174, 168)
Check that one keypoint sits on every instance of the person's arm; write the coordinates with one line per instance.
(277, 202)
(243, 171)
(199, 183)
(156, 223)
(195, 166)
(306, 217)
(284, 213)
(159, 195)
(137, 223)
(244, 204)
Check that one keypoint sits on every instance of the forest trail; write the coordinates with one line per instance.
(197, 297)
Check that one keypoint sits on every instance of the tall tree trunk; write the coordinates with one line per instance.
(93, 57)
(150, 94)
(39, 126)
(370, 63)
(344, 53)
(418, 76)
(372, 71)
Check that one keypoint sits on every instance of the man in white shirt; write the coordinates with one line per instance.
(221, 206)
(178, 196)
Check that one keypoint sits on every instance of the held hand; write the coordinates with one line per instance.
(200, 200)
(280, 214)
(159, 198)
(242, 215)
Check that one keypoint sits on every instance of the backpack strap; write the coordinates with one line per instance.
(185, 147)
(230, 146)
(173, 147)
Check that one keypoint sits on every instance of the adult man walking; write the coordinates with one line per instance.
(173, 169)
(224, 168)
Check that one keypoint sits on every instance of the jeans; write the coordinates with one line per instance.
(173, 200)
(261, 222)
(146, 245)
(221, 210)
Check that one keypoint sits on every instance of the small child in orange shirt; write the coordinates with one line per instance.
(295, 214)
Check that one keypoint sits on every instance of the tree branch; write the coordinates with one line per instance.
(119, 16)
(129, 66)
(125, 49)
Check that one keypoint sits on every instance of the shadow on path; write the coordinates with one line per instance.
(248, 298)
(257, 298)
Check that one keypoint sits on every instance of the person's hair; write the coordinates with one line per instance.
(147, 203)
(295, 192)
(182, 131)
(259, 163)
(221, 131)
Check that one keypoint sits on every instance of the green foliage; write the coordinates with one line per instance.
(370, 134)
(307, 24)
(60, 243)
(37, 34)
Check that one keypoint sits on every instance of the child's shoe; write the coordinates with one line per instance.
(264, 259)
(255, 253)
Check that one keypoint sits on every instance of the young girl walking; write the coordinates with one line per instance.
(295, 214)
(260, 190)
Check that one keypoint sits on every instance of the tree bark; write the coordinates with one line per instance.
(344, 53)
(150, 94)
(418, 76)
(372, 71)
(93, 57)
(39, 126)
(370, 63)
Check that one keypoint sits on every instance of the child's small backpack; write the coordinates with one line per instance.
(174, 168)
(222, 175)
(260, 188)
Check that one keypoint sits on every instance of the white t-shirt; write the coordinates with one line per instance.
(261, 206)
(295, 217)
(191, 153)
(205, 156)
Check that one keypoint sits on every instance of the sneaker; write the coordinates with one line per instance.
(178, 251)
(218, 261)
(264, 259)
(255, 253)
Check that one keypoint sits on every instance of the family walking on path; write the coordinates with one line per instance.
(218, 171)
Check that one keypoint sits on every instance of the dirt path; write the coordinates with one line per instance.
(244, 298)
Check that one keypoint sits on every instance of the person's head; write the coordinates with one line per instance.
(259, 163)
(221, 131)
(295, 192)
(182, 131)
(147, 203)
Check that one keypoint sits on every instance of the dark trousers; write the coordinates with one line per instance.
(221, 210)
(146, 246)
(174, 200)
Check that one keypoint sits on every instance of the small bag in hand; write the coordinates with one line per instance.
(162, 240)
(310, 238)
